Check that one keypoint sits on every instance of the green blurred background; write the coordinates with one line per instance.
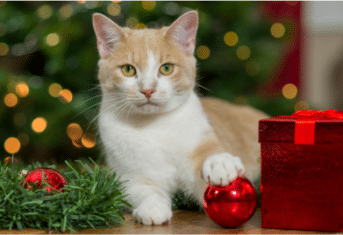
(48, 67)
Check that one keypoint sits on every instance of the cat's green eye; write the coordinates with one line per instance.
(166, 69)
(128, 70)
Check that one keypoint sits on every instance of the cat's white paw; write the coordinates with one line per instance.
(221, 169)
(152, 214)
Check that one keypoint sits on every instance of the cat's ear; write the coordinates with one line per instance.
(107, 33)
(184, 31)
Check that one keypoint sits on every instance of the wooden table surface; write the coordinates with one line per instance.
(183, 222)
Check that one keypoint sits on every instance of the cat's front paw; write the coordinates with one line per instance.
(221, 169)
(152, 214)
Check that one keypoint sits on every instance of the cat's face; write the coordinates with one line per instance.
(147, 70)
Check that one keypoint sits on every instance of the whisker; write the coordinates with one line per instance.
(97, 86)
(84, 102)
(97, 116)
(86, 110)
(122, 110)
(205, 88)
(107, 100)
(127, 117)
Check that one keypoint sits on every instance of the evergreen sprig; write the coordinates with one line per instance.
(181, 201)
(93, 198)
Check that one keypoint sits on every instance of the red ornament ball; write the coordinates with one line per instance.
(52, 177)
(231, 205)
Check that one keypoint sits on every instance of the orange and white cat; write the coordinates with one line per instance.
(157, 133)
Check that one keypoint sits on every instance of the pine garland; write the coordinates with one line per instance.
(92, 199)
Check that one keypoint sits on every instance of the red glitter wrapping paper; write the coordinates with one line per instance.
(302, 171)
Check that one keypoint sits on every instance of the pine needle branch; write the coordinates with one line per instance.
(93, 198)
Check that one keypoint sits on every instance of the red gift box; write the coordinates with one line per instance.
(302, 171)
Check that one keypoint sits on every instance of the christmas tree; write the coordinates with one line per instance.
(48, 61)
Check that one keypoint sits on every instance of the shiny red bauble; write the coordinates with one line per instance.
(231, 205)
(53, 179)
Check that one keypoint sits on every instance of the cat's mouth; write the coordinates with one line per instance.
(149, 107)
(149, 102)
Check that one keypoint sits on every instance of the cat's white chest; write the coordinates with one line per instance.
(168, 140)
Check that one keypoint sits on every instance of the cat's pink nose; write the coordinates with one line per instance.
(148, 92)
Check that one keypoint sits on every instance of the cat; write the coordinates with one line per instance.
(158, 135)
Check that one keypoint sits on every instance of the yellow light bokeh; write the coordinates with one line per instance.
(12, 145)
(52, 39)
(277, 30)
(231, 39)
(55, 89)
(66, 11)
(148, 5)
(140, 26)
(4, 49)
(88, 140)
(74, 131)
(81, 1)
(243, 52)
(39, 124)
(45, 11)
(132, 22)
(114, 9)
(289, 91)
(252, 68)
(66, 96)
(301, 105)
(203, 52)
(22, 89)
(11, 100)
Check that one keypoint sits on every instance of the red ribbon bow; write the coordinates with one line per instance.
(305, 123)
